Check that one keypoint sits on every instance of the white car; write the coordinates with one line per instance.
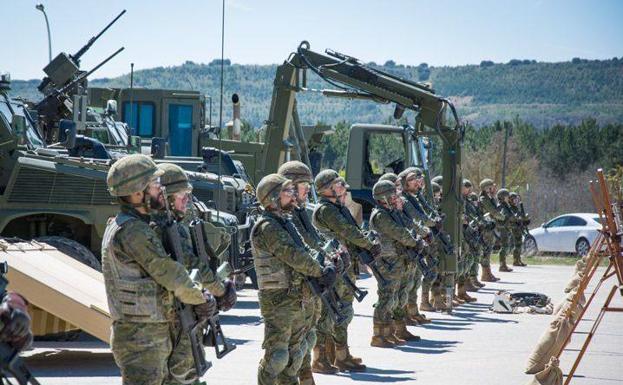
(569, 233)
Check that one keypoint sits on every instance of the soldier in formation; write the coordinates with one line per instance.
(142, 281)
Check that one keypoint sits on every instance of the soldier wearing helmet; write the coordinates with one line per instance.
(334, 220)
(389, 319)
(141, 280)
(504, 227)
(319, 326)
(518, 222)
(412, 180)
(468, 264)
(178, 197)
(280, 255)
(488, 205)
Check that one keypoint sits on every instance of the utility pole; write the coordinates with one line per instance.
(507, 133)
(41, 8)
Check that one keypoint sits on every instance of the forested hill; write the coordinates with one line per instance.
(540, 93)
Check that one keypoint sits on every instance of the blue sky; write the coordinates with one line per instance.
(164, 33)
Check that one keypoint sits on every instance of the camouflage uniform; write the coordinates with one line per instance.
(389, 314)
(505, 228)
(334, 220)
(517, 224)
(488, 206)
(141, 281)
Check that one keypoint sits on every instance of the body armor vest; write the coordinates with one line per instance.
(271, 272)
(133, 296)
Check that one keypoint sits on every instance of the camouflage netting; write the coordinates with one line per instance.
(543, 361)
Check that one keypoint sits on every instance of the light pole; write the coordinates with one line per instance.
(47, 24)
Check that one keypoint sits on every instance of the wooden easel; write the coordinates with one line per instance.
(607, 244)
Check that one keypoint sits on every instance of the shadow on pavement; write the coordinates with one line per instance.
(239, 320)
(380, 375)
(247, 305)
(428, 346)
(72, 364)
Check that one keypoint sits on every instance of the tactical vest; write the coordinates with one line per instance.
(271, 272)
(326, 230)
(133, 296)
(388, 245)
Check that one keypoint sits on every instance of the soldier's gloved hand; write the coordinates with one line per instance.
(227, 300)
(375, 250)
(208, 309)
(329, 275)
(336, 259)
(526, 221)
(345, 258)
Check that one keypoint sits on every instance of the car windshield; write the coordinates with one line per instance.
(24, 128)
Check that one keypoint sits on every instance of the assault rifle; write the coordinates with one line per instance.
(10, 361)
(331, 246)
(215, 336)
(525, 221)
(191, 326)
(327, 295)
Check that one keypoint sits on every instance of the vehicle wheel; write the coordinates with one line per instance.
(529, 246)
(74, 249)
(582, 246)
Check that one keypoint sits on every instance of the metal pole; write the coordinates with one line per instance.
(131, 97)
(504, 156)
(41, 8)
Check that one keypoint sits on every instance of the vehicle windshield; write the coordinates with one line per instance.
(24, 128)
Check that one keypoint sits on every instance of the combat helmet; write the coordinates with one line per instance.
(486, 183)
(467, 183)
(390, 176)
(383, 190)
(269, 188)
(174, 178)
(296, 171)
(435, 186)
(325, 179)
(407, 172)
(502, 193)
(438, 179)
(131, 174)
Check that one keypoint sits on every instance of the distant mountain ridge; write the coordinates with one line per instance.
(539, 93)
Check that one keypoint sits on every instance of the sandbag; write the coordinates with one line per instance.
(564, 305)
(550, 343)
(574, 283)
(551, 375)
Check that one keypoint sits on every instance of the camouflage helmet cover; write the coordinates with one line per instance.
(174, 178)
(131, 174)
(467, 183)
(325, 178)
(486, 183)
(436, 187)
(438, 179)
(270, 187)
(390, 176)
(296, 171)
(502, 193)
(513, 195)
(383, 189)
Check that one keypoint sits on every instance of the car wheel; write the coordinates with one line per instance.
(582, 246)
(529, 246)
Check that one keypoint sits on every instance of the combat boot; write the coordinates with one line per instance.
(518, 262)
(456, 300)
(487, 275)
(400, 330)
(415, 315)
(425, 304)
(462, 294)
(379, 338)
(306, 377)
(504, 268)
(474, 280)
(321, 363)
(393, 337)
(438, 303)
(350, 356)
(469, 285)
(344, 361)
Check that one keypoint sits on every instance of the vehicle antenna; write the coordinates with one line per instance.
(220, 115)
(131, 97)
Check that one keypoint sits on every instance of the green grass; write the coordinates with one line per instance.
(563, 260)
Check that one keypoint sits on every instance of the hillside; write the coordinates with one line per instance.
(539, 93)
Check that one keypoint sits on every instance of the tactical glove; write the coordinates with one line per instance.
(375, 250)
(208, 309)
(227, 300)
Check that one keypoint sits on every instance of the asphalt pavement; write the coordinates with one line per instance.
(473, 346)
